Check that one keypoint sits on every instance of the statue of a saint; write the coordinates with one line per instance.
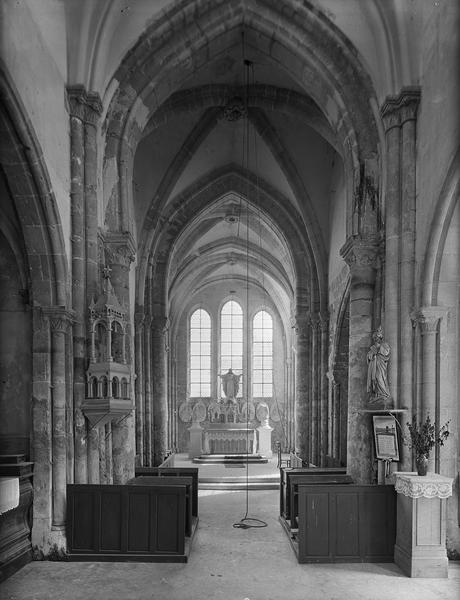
(230, 383)
(377, 361)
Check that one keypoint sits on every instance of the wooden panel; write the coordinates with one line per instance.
(346, 524)
(111, 520)
(174, 472)
(83, 513)
(359, 523)
(286, 472)
(139, 511)
(171, 481)
(127, 522)
(315, 513)
(168, 526)
(376, 541)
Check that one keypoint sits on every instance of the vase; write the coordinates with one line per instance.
(421, 462)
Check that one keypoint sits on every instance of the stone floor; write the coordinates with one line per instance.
(228, 563)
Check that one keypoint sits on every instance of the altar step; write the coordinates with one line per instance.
(271, 482)
(230, 459)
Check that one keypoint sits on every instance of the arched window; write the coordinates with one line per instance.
(115, 387)
(231, 340)
(262, 355)
(200, 354)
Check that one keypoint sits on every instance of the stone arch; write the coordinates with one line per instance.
(264, 129)
(195, 199)
(24, 168)
(176, 41)
(28, 181)
(339, 382)
(449, 196)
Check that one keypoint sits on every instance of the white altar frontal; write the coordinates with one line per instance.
(229, 438)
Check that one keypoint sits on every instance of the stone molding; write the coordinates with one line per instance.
(428, 486)
(396, 110)
(86, 106)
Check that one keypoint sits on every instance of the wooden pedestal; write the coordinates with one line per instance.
(420, 549)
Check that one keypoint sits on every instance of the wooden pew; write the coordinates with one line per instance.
(174, 472)
(294, 481)
(286, 472)
(345, 523)
(143, 523)
(165, 481)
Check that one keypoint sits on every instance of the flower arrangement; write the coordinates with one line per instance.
(424, 435)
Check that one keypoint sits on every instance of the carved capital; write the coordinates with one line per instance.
(396, 110)
(428, 318)
(139, 319)
(120, 248)
(59, 318)
(361, 254)
(83, 105)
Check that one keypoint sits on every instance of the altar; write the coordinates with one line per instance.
(229, 438)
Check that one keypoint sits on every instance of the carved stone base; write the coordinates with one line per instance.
(420, 549)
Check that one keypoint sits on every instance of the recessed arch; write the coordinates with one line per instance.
(443, 212)
(325, 73)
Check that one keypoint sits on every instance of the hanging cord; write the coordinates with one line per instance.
(247, 522)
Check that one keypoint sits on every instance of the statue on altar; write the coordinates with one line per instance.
(377, 380)
(230, 384)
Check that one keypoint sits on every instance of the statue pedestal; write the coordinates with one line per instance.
(420, 549)
(196, 440)
(265, 440)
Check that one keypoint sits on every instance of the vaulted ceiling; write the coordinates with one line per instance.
(239, 158)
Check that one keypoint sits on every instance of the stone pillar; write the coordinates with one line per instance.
(314, 394)
(92, 113)
(324, 388)
(408, 232)
(420, 549)
(120, 252)
(148, 424)
(392, 242)
(399, 114)
(302, 398)
(159, 388)
(360, 255)
(139, 385)
(76, 98)
(59, 319)
(428, 319)
(41, 435)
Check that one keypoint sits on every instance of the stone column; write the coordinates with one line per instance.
(120, 251)
(314, 394)
(428, 319)
(148, 425)
(302, 398)
(360, 255)
(41, 440)
(92, 113)
(77, 98)
(408, 224)
(399, 114)
(59, 320)
(159, 388)
(139, 385)
(392, 240)
(324, 396)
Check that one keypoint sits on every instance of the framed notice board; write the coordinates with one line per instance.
(386, 437)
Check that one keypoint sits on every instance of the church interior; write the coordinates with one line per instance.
(229, 229)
